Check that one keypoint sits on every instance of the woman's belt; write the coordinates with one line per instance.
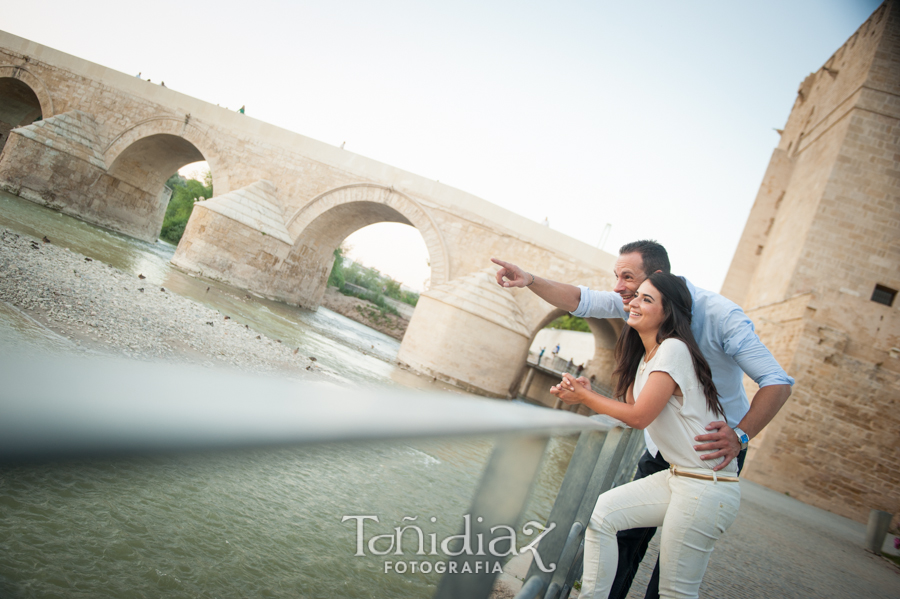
(702, 475)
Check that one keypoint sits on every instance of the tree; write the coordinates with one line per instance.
(176, 180)
(570, 323)
(184, 193)
(336, 278)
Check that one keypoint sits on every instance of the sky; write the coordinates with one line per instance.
(656, 117)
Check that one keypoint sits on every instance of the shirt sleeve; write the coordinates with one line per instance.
(674, 358)
(743, 344)
(599, 304)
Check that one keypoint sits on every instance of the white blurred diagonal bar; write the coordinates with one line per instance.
(61, 408)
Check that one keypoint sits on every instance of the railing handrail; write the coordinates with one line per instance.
(75, 407)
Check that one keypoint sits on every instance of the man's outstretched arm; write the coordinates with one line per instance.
(561, 295)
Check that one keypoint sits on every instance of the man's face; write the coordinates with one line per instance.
(629, 273)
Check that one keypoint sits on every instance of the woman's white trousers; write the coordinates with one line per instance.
(691, 513)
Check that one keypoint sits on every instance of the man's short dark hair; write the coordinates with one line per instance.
(653, 255)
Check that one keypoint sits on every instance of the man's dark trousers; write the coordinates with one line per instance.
(634, 541)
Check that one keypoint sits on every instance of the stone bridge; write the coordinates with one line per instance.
(99, 145)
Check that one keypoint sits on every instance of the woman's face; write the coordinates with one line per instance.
(646, 309)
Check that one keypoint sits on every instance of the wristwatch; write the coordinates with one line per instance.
(743, 437)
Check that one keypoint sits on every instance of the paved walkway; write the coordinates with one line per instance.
(781, 548)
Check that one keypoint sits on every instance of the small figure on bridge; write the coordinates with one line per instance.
(241, 109)
(556, 350)
(541, 355)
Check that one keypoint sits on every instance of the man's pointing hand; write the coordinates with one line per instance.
(511, 275)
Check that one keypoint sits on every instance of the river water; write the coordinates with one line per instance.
(261, 523)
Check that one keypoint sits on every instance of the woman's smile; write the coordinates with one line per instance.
(645, 310)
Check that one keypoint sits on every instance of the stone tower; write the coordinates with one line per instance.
(817, 269)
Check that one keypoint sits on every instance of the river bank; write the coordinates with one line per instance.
(99, 308)
(365, 313)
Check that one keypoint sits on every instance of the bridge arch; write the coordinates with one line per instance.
(332, 216)
(156, 141)
(25, 78)
(139, 161)
(23, 100)
(605, 332)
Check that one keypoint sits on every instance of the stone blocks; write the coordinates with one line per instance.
(822, 235)
(470, 332)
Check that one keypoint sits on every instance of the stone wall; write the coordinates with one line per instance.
(822, 234)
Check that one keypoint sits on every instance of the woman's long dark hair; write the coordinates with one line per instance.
(676, 304)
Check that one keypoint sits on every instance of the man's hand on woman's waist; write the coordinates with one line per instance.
(722, 443)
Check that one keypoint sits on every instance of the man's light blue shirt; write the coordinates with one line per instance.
(726, 338)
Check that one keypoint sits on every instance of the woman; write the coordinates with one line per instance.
(668, 389)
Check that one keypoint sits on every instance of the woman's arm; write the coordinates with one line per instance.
(629, 394)
(639, 414)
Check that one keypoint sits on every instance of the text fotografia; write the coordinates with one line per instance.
(421, 544)
(442, 567)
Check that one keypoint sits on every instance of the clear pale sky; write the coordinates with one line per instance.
(657, 117)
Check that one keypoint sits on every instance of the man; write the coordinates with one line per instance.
(728, 342)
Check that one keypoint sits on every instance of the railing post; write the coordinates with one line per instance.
(602, 477)
(529, 378)
(499, 500)
(568, 499)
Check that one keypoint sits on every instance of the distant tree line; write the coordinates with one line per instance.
(377, 285)
(570, 323)
(184, 193)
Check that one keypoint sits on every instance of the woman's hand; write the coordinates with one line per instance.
(571, 390)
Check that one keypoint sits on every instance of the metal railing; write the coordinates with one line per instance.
(69, 408)
(598, 464)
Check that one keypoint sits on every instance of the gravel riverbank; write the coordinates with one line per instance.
(99, 308)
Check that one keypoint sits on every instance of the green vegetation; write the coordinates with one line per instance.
(184, 193)
(570, 323)
(377, 316)
(375, 286)
(336, 278)
(372, 296)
